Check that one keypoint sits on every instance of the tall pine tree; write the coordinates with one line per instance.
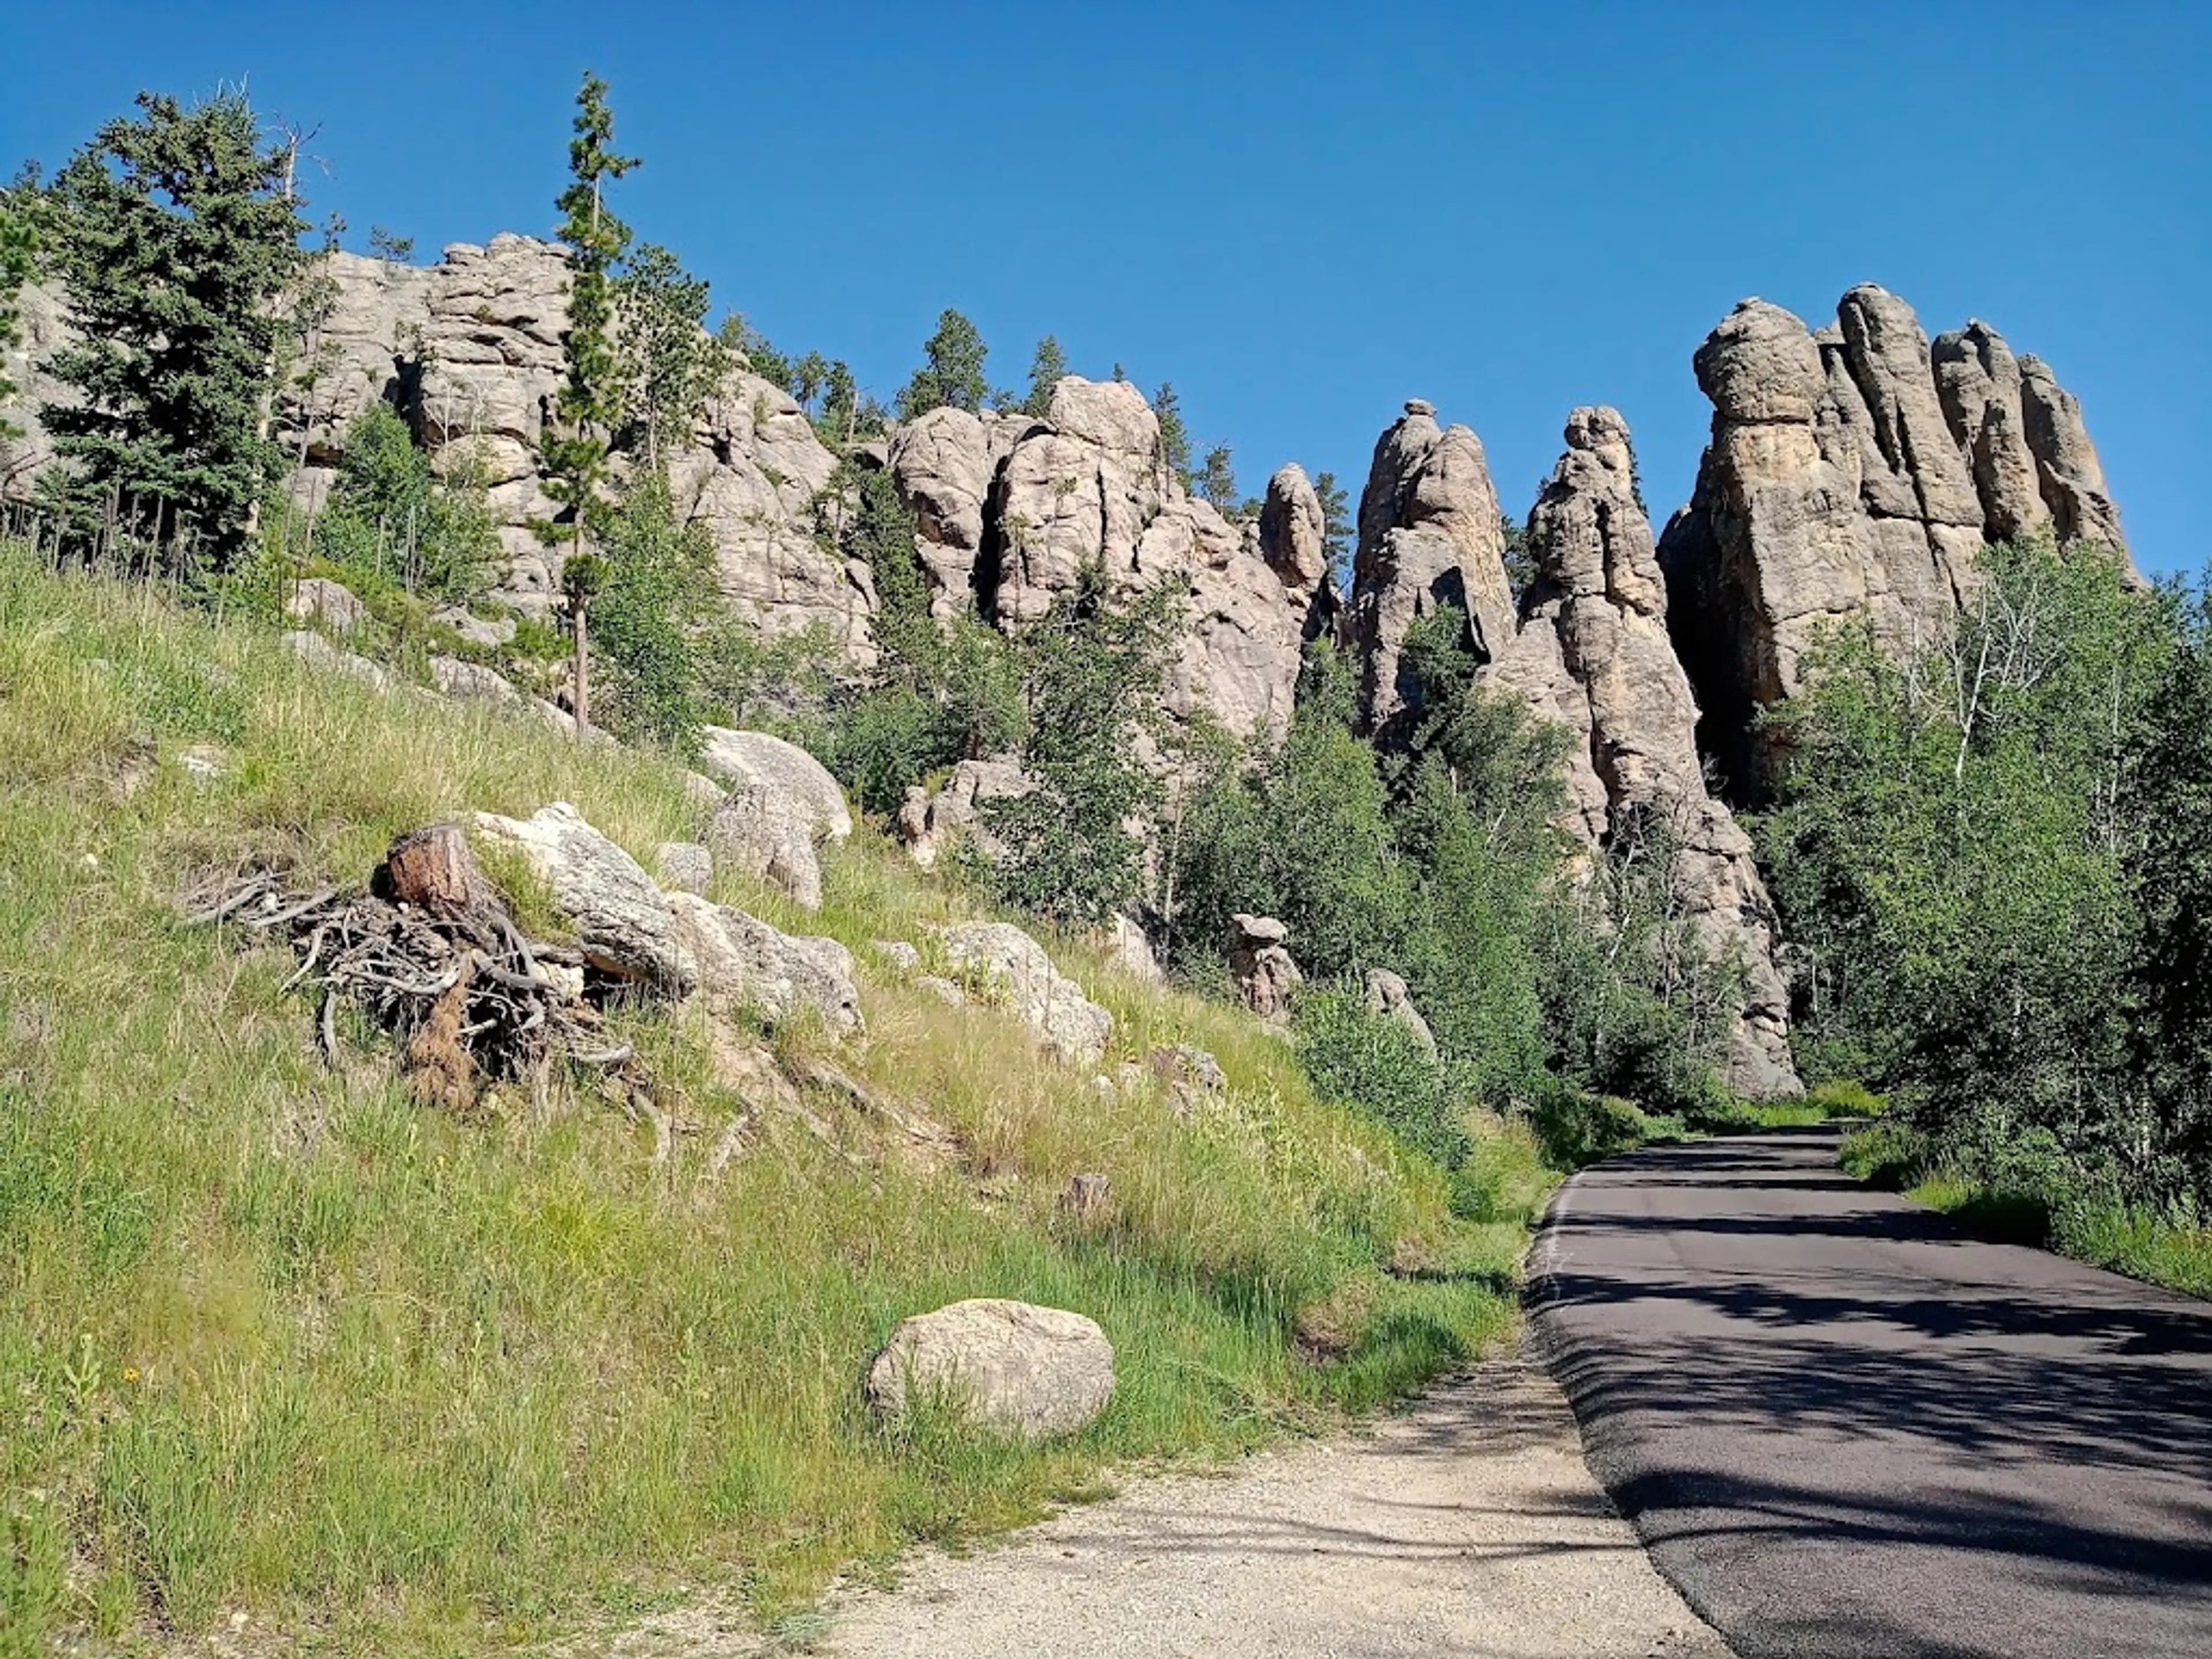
(173, 234)
(575, 444)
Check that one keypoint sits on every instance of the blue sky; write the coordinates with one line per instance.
(1300, 215)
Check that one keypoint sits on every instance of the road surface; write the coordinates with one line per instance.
(1844, 1427)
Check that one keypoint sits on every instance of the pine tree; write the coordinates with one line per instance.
(669, 366)
(576, 444)
(1336, 523)
(18, 250)
(951, 374)
(175, 236)
(1215, 481)
(1046, 369)
(1174, 438)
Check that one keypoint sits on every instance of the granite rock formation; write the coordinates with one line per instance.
(1430, 534)
(1855, 473)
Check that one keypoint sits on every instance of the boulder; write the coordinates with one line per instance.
(685, 865)
(929, 823)
(623, 922)
(319, 599)
(486, 632)
(739, 961)
(319, 652)
(1129, 950)
(1386, 993)
(1009, 1367)
(769, 837)
(769, 762)
(468, 682)
(1260, 962)
(1016, 969)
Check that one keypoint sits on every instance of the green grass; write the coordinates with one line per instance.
(278, 1340)
(2172, 1251)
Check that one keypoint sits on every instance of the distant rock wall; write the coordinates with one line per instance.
(1012, 508)
(1856, 471)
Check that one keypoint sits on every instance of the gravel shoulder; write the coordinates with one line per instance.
(1467, 1525)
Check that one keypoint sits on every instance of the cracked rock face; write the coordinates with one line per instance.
(1430, 534)
(1010, 510)
(1855, 472)
(1596, 620)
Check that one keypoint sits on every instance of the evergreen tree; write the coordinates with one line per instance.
(669, 366)
(173, 235)
(1174, 438)
(1216, 479)
(1336, 524)
(951, 376)
(576, 444)
(1046, 369)
(18, 248)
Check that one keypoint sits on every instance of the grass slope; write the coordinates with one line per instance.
(277, 1341)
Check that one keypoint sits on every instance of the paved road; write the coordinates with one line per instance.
(1846, 1428)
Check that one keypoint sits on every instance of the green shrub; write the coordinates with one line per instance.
(1358, 1057)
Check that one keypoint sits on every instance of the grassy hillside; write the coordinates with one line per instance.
(275, 1339)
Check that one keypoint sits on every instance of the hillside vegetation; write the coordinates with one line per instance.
(277, 1339)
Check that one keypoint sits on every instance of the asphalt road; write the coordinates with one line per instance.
(1844, 1427)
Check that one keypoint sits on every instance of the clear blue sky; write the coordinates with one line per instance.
(1301, 217)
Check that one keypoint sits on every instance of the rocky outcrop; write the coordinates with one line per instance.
(1260, 965)
(1596, 619)
(1008, 1366)
(762, 761)
(1855, 474)
(1431, 535)
(330, 604)
(1014, 969)
(1011, 509)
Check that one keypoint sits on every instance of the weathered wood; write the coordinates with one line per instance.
(434, 871)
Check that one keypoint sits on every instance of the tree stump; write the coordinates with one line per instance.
(434, 871)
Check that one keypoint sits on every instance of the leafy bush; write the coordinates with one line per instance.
(393, 523)
(1358, 1057)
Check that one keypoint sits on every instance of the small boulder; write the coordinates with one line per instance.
(898, 953)
(1086, 1196)
(928, 823)
(1008, 1366)
(740, 961)
(486, 634)
(754, 759)
(319, 652)
(1260, 962)
(1075, 1028)
(319, 599)
(769, 836)
(685, 865)
(1131, 950)
(468, 682)
(1386, 994)
(623, 920)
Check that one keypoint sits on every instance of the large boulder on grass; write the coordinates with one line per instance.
(740, 961)
(754, 760)
(623, 920)
(1012, 1367)
(1014, 969)
(769, 836)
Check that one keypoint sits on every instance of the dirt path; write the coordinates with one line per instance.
(1466, 1526)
